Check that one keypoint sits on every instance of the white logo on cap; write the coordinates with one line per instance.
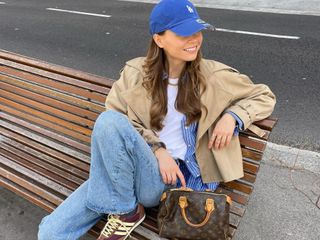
(190, 9)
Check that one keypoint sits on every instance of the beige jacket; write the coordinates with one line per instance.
(227, 89)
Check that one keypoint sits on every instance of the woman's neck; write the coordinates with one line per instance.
(175, 68)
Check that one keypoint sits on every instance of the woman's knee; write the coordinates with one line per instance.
(110, 120)
(111, 117)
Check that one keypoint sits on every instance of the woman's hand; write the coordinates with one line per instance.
(168, 168)
(222, 132)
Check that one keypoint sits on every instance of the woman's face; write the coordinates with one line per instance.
(177, 48)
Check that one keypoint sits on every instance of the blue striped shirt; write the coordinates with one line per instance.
(189, 166)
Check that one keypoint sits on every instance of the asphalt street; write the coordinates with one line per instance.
(101, 45)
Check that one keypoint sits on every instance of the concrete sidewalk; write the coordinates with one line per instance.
(285, 201)
(282, 205)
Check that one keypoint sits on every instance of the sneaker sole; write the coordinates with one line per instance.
(136, 225)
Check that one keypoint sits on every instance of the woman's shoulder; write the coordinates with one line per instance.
(212, 66)
(131, 74)
(136, 63)
(220, 74)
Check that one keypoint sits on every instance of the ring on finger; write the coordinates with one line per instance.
(218, 138)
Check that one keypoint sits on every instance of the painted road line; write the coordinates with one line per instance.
(258, 34)
(76, 12)
(2, 3)
(229, 30)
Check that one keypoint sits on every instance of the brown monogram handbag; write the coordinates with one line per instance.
(188, 214)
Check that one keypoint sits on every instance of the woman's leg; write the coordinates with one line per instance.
(71, 219)
(123, 172)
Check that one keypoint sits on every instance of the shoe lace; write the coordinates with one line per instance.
(113, 223)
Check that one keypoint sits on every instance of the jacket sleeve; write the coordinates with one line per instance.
(251, 102)
(115, 101)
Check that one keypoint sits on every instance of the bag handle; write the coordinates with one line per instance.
(183, 203)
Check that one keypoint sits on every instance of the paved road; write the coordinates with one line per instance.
(310, 7)
(101, 45)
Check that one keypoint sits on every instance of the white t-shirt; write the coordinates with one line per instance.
(171, 133)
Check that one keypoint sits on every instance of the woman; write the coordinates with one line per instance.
(172, 119)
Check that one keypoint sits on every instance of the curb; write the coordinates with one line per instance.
(291, 157)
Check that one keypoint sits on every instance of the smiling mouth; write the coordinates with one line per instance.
(192, 49)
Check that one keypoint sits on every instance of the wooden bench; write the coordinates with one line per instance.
(47, 115)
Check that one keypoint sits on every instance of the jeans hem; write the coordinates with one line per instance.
(107, 211)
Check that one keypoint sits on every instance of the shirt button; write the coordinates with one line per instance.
(185, 127)
(189, 145)
(188, 161)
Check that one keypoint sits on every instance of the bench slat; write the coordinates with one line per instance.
(43, 149)
(249, 177)
(248, 133)
(241, 187)
(53, 93)
(252, 143)
(249, 153)
(34, 176)
(47, 101)
(38, 172)
(61, 86)
(47, 109)
(236, 197)
(29, 186)
(40, 122)
(74, 80)
(55, 68)
(18, 189)
(42, 167)
(45, 116)
(39, 156)
(250, 167)
(45, 141)
(267, 124)
(47, 133)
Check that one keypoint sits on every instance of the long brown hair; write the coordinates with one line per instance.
(156, 83)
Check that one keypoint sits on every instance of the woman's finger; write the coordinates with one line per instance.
(164, 177)
(181, 177)
(211, 141)
(173, 178)
(228, 140)
(217, 142)
(169, 178)
(222, 142)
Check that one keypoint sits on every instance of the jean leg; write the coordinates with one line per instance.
(70, 220)
(123, 168)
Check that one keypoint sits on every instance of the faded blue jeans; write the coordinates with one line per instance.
(123, 173)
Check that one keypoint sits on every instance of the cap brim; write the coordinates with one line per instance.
(190, 27)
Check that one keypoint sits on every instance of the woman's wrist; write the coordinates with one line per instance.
(229, 115)
(157, 146)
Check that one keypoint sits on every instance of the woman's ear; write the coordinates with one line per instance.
(158, 40)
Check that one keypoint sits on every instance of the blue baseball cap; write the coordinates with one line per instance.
(179, 16)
